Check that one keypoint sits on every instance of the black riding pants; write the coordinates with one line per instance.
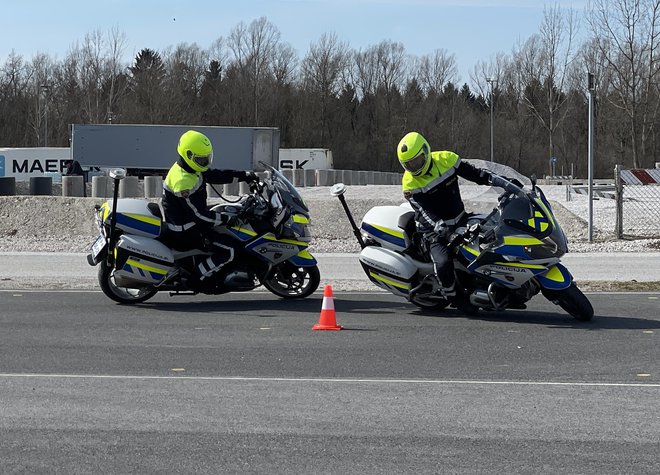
(442, 261)
(221, 247)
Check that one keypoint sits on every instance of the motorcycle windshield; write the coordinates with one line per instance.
(532, 215)
(287, 192)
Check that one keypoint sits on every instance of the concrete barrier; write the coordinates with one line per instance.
(73, 185)
(100, 187)
(7, 185)
(243, 188)
(153, 186)
(128, 187)
(41, 185)
(288, 174)
(309, 177)
(325, 177)
(346, 177)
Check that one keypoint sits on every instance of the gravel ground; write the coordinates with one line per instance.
(65, 224)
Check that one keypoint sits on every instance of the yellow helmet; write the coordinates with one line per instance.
(196, 150)
(414, 153)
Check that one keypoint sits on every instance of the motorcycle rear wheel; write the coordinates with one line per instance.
(291, 282)
(122, 295)
(572, 300)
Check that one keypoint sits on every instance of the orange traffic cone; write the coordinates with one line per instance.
(327, 321)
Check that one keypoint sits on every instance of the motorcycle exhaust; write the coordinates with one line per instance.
(479, 298)
(487, 298)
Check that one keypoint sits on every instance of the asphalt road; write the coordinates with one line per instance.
(241, 384)
(71, 271)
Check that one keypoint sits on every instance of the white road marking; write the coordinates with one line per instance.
(329, 380)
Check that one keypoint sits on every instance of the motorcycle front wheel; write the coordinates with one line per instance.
(572, 300)
(121, 294)
(428, 303)
(292, 282)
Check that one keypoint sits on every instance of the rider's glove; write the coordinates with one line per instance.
(498, 181)
(225, 219)
(441, 229)
(515, 182)
(249, 177)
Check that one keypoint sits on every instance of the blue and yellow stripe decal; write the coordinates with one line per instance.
(154, 273)
(389, 235)
(522, 241)
(243, 234)
(516, 251)
(546, 210)
(515, 246)
(300, 219)
(303, 259)
(402, 287)
(469, 253)
(271, 237)
(557, 278)
(538, 222)
(142, 223)
(105, 210)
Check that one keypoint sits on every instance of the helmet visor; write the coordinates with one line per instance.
(415, 165)
(202, 161)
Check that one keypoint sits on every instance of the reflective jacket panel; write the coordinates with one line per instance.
(184, 197)
(435, 196)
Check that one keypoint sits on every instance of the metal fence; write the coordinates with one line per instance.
(637, 195)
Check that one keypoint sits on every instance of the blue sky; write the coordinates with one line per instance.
(473, 30)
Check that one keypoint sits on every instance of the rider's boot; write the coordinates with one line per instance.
(201, 281)
(449, 292)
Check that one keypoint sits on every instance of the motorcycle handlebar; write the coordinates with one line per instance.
(509, 187)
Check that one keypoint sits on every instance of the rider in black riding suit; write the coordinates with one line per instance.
(189, 222)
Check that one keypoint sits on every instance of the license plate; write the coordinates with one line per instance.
(98, 246)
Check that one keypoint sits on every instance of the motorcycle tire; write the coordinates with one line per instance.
(292, 282)
(121, 294)
(573, 301)
(429, 304)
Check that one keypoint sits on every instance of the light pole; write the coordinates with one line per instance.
(591, 86)
(45, 88)
(490, 81)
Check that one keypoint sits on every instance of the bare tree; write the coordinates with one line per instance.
(322, 76)
(322, 65)
(186, 67)
(253, 47)
(364, 72)
(14, 101)
(436, 70)
(546, 61)
(627, 34)
(115, 68)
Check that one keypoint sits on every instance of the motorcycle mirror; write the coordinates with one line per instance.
(338, 189)
(117, 173)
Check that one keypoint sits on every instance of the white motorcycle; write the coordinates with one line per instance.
(269, 226)
(501, 259)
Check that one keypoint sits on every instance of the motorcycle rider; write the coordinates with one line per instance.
(430, 184)
(188, 219)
